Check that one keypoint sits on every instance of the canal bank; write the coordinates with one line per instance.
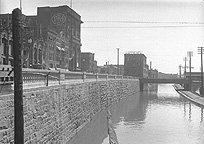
(192, 96)
(55, 114)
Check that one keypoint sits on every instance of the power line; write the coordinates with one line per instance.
(146, 22)
(168, 26)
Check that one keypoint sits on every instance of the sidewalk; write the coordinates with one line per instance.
(196, 98)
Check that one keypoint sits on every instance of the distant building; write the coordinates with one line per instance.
(88, 64)
(121, 69)
(195, 76)
(108, 69)
(135, 65)
(167, 76)
(153, 73)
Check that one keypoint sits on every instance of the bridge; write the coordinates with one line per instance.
(184, 81)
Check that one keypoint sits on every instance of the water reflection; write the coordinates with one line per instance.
(158, 115)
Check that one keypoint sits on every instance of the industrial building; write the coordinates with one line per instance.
(135, 65)
(88, 64)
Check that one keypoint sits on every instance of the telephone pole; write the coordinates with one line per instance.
(118, 72)
(185, 59)
(190, 54)
(180, 71)
(200, 51)
(18, 83)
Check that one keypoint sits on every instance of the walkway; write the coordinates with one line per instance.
(196, 98)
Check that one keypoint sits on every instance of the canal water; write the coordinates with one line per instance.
(159, 115)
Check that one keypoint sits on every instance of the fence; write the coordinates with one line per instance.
(52, 76)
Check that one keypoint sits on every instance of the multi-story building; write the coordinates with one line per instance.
(135, 65)
(6, 50)
(63, 25)
(49, 40)
(6, 40)
(88, 64)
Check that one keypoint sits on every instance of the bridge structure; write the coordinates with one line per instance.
(186, 82)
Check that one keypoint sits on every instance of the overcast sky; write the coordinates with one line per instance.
(154, 27)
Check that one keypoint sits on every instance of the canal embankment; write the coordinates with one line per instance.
(192, 96)
(55, 114)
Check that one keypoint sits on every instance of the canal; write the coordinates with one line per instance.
(158, 115)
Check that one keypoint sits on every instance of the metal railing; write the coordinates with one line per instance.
(49, 76)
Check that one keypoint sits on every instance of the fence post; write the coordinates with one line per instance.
(96, 76)
(83, 76)
(59, 76)
(47, 75)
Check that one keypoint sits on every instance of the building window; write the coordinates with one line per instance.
(51, 56)
(4, 60)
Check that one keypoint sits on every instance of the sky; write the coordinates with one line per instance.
(163, 30)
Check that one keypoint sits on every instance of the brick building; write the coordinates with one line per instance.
(52, 39)
(88, 64)
(6, 40)
(6, 50)
(135, 65)
(61, 29)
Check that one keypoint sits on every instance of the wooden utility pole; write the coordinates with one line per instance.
(185, 59)
(180, 71)
(7, 45)
(118, 70)
(190, 54)
(18, 83)
(200, 51)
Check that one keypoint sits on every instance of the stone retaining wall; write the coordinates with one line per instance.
(55, 114)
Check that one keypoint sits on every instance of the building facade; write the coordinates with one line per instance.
(88, 64)
(108, 69)
(52, 39)
(153, 73)
(6, 43)
(121, 69)
(135, 65)
(61, 29)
